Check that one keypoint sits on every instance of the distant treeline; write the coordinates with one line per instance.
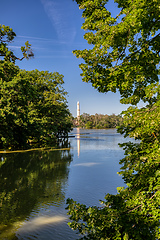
(97, 121)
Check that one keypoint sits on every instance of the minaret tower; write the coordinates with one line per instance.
(78, 112)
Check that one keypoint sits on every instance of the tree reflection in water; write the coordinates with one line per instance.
(30, 179)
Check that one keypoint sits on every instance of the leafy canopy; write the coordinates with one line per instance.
(33, 106)
(124, 56)
(6, 36)
(125, 53)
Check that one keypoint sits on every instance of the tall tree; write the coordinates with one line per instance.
(7, 35)
(49, 115)
(14, 93)
(125, 57)
(33, 104)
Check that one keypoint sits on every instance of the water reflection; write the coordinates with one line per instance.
(31, 180)
(34, 186)
(93, 139)
(39, 222)
(78, 141)
(87, 164)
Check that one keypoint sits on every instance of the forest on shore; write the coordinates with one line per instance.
(97, 121)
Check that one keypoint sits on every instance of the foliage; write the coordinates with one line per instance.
(33, 106)
(48, 113)
(98, 121)
(6, 36)
(125, 57)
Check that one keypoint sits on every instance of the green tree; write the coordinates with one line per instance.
(15, 92)
(125, 57)
(89, 125)
(33, 106)
(7, 35)
(48, 111)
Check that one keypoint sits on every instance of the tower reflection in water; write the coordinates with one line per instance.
(78, 142)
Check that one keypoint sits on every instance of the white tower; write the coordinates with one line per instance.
(78, 111)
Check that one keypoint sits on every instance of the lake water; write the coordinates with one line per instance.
(34, 185)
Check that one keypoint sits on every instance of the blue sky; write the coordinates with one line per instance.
(53, 28)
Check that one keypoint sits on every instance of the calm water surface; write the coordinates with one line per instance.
(34, 185)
